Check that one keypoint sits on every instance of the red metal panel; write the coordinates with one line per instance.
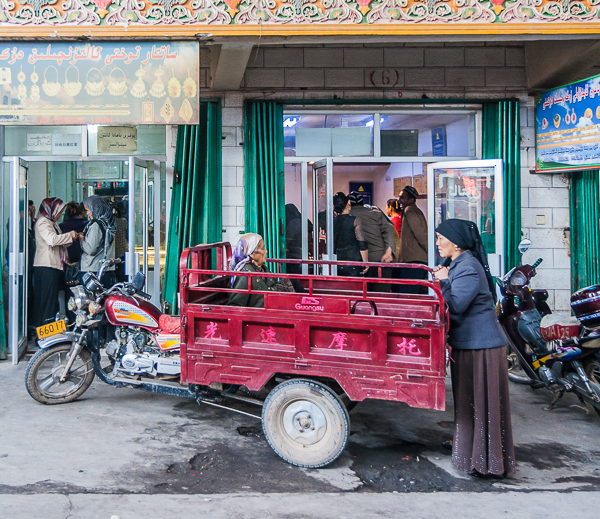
(388, 346)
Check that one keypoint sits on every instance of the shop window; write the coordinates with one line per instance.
(127, 140)
(428, 135)
(440, 133)
(328, 135)
(43, 140)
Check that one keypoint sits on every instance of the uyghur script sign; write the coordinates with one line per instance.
(105, 83)
(568, 127)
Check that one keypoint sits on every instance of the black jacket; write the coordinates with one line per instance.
(473, 322)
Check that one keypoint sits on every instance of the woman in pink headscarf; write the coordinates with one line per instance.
(50, 257)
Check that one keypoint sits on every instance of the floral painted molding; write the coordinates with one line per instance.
(144, 13)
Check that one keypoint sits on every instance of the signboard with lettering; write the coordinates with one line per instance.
(37, 142)
(108, 83)
(117, 139)
(568, 127)
(66, 144)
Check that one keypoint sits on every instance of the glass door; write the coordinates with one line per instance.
(147, 223)
(469, 190)
(323, 210)
(17, 258)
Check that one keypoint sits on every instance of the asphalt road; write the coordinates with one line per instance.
(128, 454)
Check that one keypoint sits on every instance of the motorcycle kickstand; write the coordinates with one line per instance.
(558, 394)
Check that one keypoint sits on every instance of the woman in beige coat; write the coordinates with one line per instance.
(50, 257)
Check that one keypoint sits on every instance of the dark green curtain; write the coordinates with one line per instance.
(264, 174)
(585, 235)
(501, 140)
(196, 199)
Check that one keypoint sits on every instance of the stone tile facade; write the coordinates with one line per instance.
(409, 71)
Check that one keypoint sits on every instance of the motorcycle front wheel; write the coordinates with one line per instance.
(42, 377)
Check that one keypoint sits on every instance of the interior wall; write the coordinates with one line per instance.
(38, 182)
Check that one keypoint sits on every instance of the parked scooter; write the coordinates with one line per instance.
(141, 342)
(559, 353)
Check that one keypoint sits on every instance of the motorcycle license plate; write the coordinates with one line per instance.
(48, 330)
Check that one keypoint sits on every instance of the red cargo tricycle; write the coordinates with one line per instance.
(305, 358)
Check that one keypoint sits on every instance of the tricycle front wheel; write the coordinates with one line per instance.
(305, 423)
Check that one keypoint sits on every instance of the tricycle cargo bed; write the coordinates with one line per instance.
(373, 344)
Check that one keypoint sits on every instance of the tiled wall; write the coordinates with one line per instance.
(409, 71)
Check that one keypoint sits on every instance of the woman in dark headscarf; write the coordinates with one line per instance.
(99, 238)
(483, 442)
(50, 258)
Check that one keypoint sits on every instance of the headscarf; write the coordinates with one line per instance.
(246, 245)
(291, 213)
(50, 208)
(103, 214)
(465, 235)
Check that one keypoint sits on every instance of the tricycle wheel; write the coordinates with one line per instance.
(305, 423)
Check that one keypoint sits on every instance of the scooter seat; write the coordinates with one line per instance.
(169, 323)
(558, 327)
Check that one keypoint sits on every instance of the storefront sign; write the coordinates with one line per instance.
(105, 83)
(117, 139)
(568, 127)
(38, 142)
(438, 141)
(66, 144)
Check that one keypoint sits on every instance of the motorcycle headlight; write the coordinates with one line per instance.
(71, 304)
(518, 279)
(80, 299)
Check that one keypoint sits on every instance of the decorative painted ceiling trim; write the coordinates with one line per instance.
(273, 17)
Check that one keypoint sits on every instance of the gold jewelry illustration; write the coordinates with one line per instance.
(186, 111)
(117, 88)
(148, 112)
(139, 87)
(51, 88)
(94, 88)
(189, 86)
(35, 89)
(158, 87)
(21, 89)
(72, 88)
(167, 111)
(174, 86)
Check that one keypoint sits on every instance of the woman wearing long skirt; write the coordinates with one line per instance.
(50, 258)
(483, 442)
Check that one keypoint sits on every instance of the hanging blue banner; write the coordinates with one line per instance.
(568, 127)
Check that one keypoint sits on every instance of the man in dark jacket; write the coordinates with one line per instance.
(379, 235)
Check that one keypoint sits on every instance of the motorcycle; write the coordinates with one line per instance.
(559, 353)
(140, 343)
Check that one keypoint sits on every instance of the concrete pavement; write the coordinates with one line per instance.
(121, 452)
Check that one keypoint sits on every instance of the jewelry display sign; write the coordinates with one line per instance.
(568, 127)
(107, 83)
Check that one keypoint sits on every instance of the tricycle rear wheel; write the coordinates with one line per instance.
(305, 423)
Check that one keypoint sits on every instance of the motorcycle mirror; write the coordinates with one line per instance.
(138, 281)
(525, 245)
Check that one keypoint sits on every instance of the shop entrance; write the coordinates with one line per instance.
(470, 190)
(135, 185)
